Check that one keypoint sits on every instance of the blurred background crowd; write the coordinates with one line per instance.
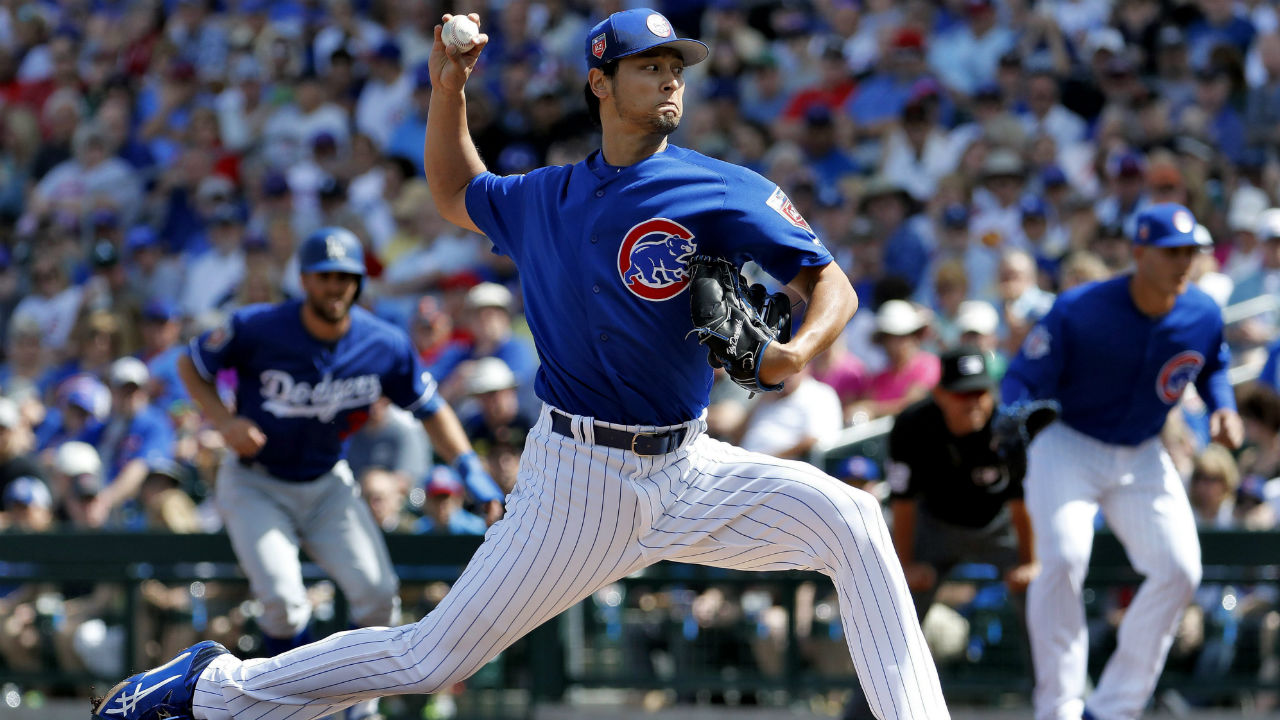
(964, 160)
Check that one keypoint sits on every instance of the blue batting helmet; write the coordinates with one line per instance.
(331, 249)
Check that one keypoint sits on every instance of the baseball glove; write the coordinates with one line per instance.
(736, 321)
(1016, 425)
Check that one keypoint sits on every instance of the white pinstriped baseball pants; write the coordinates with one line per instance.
(1069, 476)
(582, 516)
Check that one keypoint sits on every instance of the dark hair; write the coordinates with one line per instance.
(1259, 402)
(890, 287)
(593, 103)
(404, 165)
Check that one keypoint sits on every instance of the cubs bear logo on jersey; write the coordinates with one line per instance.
(1176, 373)
(653, 257)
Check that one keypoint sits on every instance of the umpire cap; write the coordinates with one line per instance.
(1167, 225)
(964, 369)
(331, 249)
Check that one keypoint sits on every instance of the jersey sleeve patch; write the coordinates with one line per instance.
(218, 337)
(782, 205)
(898, 475)
(1038, 343)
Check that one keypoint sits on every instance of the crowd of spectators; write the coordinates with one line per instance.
(963, 160)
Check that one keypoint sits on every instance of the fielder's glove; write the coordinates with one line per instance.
(1016, 425)
(735, 321)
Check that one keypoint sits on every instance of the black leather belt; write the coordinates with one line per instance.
(642, 443)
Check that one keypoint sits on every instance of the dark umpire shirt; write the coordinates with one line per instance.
(958, 480)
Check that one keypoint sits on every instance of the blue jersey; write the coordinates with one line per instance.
(1270, 375)
(147, 435)
(308, 395)
(164, 375)
(460, 523)
(1115, 371)
(602, 252)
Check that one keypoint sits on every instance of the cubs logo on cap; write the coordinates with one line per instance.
(1168, 225)
(634, 31)
(658, 25)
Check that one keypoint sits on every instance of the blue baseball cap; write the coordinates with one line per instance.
(29, 491)
(955, 215)
(388, 50)
(1053, 176)
(1033, 206)
(159, 310)
(88, 394)
(140, 237)
(634, 31)
(1127, 164)
(1167, 225)
(860, 467)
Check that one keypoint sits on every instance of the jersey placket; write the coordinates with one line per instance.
(603, 251)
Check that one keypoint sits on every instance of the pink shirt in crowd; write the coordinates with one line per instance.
(848, 376)
(924, 370)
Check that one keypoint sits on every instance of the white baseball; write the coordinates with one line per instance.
(460, 32)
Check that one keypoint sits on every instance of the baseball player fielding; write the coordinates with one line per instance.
(1117, 355)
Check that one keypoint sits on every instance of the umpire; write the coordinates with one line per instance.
(953, 498)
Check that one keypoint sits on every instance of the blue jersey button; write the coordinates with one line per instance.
(595, 288)
(599, 193)
(604, 337)
(595, 238)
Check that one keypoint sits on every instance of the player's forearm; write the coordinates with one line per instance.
(1217, 392)
(204, 393)
(451, 442)
(1022, 530)
(450, 157)
(832, 303)
(447, 436)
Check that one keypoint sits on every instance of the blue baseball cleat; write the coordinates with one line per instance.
(162, 693)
